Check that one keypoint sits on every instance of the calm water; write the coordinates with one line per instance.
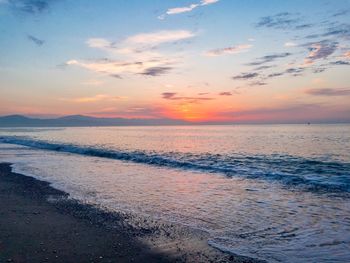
(276, 192)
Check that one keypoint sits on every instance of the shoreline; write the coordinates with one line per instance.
(39, 223)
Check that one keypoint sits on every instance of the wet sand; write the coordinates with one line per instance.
(39, 224)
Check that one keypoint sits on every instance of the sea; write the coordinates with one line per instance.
(275, 192)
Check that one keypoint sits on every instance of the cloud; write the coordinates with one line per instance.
(341, 13)
(320, 50)
(173, 96)
(98, 43)
(284, 20)
(290, 44)
(277, 74)
(30, 6)
(225, 93)
(261, 67)
(156, 71)
(303, 26)
(169, 95)
(138, 52)
(336, 30)
(117, 76)
(328, 92)
(295, 71)
(116, 67)
(159, 37)
(208, 2)
(317, 51)
(264, 67)
(262, 78)
(347, 55)
(140, 43)
(244, 76)
(228, 50)
(269, 58)
(292, 71)
(341, 63)
(96, 98)
(279, 20)
(35, 40)
(257, 83)
(318, 70)
(185, 9)
(179, 10)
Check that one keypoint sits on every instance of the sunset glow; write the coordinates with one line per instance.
(216, 61)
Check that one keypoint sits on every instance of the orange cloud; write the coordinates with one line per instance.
(98, 97)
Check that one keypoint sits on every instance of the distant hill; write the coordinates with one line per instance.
(81, 121)
(87, 121)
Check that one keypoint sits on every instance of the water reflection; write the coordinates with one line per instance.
(249, 217)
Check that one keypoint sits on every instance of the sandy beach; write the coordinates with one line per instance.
(35, 227)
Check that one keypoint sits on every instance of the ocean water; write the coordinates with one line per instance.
(274, 192)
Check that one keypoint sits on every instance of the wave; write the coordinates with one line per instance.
(309, 174)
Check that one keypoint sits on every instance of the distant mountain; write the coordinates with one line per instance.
(81, 121)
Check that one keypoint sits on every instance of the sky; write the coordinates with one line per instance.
(196, 60)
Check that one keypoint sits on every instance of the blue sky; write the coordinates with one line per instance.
(217, 60)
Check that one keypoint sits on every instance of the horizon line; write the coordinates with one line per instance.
(182, 122)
